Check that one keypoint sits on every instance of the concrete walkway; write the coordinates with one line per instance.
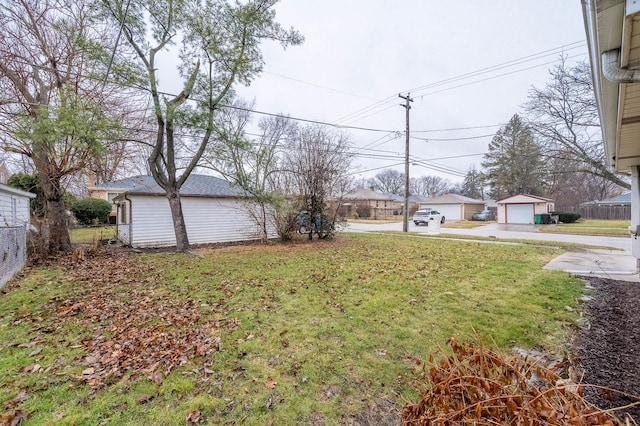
(615, 262)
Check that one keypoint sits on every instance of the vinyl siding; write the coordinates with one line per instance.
(7, 216)
(208, 220)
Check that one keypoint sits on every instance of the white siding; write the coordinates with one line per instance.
(208, 220)
(14, 209)
(449, 211)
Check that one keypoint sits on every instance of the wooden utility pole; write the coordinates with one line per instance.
(405, 222)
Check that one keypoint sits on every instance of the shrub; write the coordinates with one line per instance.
(91, 210)
(364, 211)
(567, 217)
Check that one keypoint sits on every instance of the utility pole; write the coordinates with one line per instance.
(405, 223)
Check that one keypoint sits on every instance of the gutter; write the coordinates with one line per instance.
(130, 214)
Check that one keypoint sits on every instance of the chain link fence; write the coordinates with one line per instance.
(13, 251)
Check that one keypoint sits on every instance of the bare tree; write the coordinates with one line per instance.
(429, 186)
(389, 181)
(54, 102)
(564, 116)
(220, 47)
(318, 161)
(253, 164)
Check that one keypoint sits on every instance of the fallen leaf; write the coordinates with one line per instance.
(36, 352)
(19, 416)
(143, 399)
(88, 371)
(208, 371)
(33, 368)
(12, 403)
(194, 417)
(271, 384)
(59, 416)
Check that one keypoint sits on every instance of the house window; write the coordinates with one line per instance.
(385, 204)
(123, 213)
(377, 202)
(111, 196)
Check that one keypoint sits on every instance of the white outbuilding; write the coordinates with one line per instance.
(454, 206)
(522, 208)
(214, 212)
(15, 217)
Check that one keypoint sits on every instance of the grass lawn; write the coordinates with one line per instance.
(591, 227)
(91, 235)
(310, 333)
(376, 221)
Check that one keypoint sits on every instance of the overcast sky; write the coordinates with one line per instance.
(358, 55)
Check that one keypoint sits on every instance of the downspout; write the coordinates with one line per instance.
(612, 70)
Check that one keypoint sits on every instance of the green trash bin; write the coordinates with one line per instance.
(537, 219)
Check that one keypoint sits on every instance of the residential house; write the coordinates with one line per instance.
(214, 211)
(4, 173)
(368, 203)
(110, 190)
(454, 206)
(613, 38)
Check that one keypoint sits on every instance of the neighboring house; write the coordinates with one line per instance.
(623, 199)
(4, 173)
(214, 212)
(522, 208)
(369, 203)
(110, 190)
(613, 38)
(14, 224)
(454, 206)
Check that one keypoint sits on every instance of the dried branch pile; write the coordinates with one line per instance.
(478, 386)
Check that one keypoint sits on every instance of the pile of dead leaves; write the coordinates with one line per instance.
(478, 386)
(11, 416)
(138, 328)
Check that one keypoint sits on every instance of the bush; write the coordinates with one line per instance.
(567, 217)
(91, 210)
(364, 211)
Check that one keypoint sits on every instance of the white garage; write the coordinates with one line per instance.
(522, 208)
(453, 206)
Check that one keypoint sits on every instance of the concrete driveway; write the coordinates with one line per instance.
(615, 262)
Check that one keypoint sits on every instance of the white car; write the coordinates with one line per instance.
(424, 216)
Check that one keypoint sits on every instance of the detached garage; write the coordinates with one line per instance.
(454, 206)
(522, 208)
(214, 212)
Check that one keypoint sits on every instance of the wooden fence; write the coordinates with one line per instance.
(595, 211)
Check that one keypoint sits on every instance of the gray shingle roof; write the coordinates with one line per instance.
(195, 185)
(624, 198)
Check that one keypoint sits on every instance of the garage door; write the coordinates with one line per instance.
(519, 213)
(450, 211)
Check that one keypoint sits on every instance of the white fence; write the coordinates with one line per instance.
(13, 251)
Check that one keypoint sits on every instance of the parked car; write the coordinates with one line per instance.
(483, 215)
(424, 216)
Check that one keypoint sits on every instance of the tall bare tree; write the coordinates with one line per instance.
(389, 181)
(219, 46)
(429, 186)
(255, 164)
(564, 116)
(53, 100)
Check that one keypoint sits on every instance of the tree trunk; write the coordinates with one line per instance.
(55, 229)
(182, 239)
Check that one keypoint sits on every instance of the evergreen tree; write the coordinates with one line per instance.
(514, 162)
(472, 186)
